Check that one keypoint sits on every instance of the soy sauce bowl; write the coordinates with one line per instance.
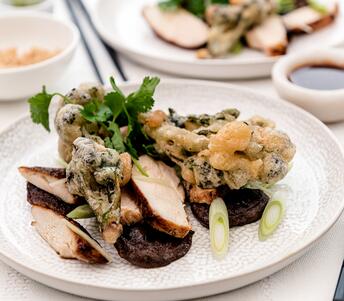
(327, 105)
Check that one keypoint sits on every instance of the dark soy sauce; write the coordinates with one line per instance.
(318, 77)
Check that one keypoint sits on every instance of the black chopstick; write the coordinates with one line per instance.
(112, 53)
(339, 294)
(83, 38)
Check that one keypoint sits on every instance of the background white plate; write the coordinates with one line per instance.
(313, 194)
(121, 24)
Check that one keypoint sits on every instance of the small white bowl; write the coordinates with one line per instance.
(327, 105)
(44, 6)
(24, 30)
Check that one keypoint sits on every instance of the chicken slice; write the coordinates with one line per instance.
(178, 27)
(52, 180)
(270, 36)
(67, 237)
(307, 19)
(39, 197)
(130, 211)
(161, 197)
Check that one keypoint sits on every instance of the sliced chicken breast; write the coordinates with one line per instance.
(306, 19)
(52, 180)
(178, 27)
(130, 211)
(67, 237)
(39, 197)
(160, 197)
(270, 36)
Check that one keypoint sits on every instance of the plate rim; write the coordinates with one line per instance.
(218, 62)
(293, 254)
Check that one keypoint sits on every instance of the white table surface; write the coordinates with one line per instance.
(312, 277)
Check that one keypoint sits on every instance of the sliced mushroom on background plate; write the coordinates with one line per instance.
(67, 237)
(270, 36)
(160, 197)
(178, 27)
(52, 180)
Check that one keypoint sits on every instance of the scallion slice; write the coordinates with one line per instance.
(219, 228)
(272, 217)
(83, 211)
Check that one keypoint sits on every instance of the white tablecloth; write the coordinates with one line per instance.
(312, 277)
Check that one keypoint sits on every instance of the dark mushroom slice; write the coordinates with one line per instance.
(161, 197)
(130, 211)
(148, 248)
(67, 237)
(52, 180)
(39, 197)
(244, 206)
(178, 27)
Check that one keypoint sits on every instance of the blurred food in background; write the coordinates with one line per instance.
(11, 57)
(21, 2)
(219, 27)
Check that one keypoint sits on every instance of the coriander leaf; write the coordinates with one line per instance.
(170, 4)
(104, 113)
(88, 112)
(130, 149)
(39, 108)
(115, 87)
(219, 1)
(197, 7)
(142, 100)
(116, 139)
(115, 102)
(95, 111)
(108, 143)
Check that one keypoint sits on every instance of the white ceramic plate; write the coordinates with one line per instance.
(121, 24)
(313, 194)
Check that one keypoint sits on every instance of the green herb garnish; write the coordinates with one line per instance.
(39, 107)
(285, 6)
(117, 110)
(320, 8)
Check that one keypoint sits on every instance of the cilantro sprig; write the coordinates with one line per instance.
(39, 107)
(115, 111)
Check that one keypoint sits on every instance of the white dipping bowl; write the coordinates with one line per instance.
(24, 30)
(327, 105)
(45, 6)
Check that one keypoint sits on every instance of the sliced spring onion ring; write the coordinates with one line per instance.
(219, 228)
(272, 217)
(83, 211)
